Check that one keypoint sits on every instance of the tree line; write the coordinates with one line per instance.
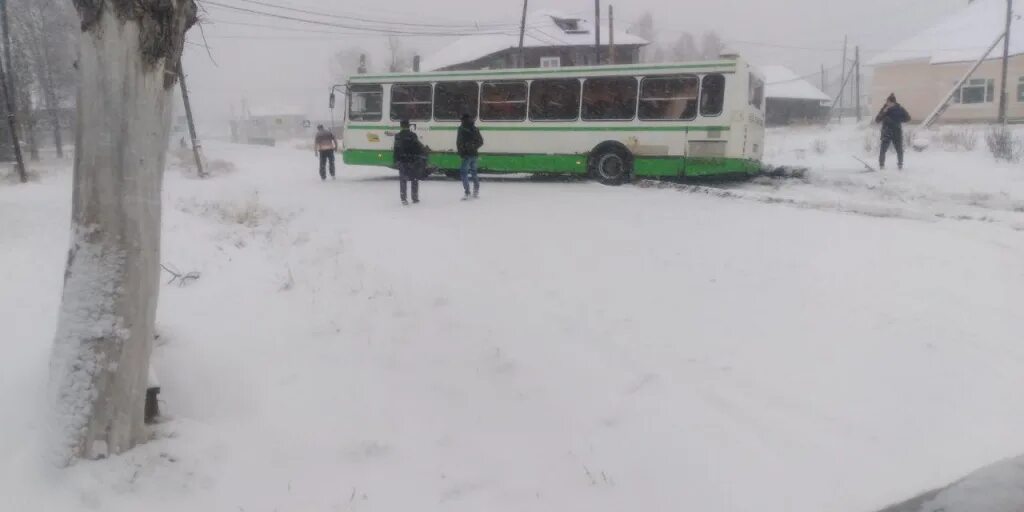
(43, 45)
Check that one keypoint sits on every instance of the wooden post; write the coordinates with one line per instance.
(856, 51)
(522, 37)
(611, 35)
(597, 32)
(824, 80)
(191, 124)
(8, 90)
(1006, 60)
(842, 78)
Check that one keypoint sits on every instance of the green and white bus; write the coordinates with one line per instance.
(612, 123)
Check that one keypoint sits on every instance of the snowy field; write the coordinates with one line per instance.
(833, 344)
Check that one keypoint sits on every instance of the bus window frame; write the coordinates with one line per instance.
(640, 91)
(725, 95)
(351, 96)
(526, 102)
(391, 100)
(579, 103)
(636, 98)
(458, 118)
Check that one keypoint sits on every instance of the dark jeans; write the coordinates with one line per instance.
(895, 139)
(409, 171)
(326, 156)
(468, 170)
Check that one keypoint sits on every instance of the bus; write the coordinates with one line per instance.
(612, 123)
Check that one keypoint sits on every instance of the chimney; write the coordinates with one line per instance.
(416, 63)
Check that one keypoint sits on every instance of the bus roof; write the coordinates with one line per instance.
(719, 66)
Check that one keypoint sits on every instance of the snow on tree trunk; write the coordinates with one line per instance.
(100, 361)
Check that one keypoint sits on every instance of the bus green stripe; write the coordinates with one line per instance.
(570, 164)
(543, 128)
(711, 66)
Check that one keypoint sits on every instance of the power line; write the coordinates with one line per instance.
(351, 27)
(460, 26)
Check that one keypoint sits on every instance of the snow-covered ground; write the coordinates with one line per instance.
(837, 344)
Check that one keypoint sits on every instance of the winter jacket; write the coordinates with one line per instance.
(469, 140)
(325, 141)
(892, 119)
(408, 147)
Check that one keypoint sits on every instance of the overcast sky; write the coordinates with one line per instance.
(289, 68)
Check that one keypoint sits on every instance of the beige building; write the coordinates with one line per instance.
(924, 68)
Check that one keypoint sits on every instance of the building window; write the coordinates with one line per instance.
(712, 95)
(410, 101)
(555, 100)
(609, 99)
(503, 101)
(365, 102)
(669, 98)
(550, 62)
(976, 91)
(1020, 89)
(452, 99)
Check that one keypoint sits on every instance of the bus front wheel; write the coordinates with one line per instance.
(611, 166)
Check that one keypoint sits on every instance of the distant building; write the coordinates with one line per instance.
(923, 69)
(791, 99)
(551, 40)
(269, 124)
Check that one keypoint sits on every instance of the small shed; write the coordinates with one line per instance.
(790, 98)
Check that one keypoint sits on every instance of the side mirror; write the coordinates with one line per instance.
(331, 102)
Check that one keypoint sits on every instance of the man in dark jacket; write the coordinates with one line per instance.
(892, 117)
(410, 158)
(326, 144)
(468, 144)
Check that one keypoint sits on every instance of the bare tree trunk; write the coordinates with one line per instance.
(128, 53)
(28, 122)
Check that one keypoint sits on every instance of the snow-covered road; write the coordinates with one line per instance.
(551, 346)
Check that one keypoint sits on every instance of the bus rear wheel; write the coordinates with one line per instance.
(611, 166)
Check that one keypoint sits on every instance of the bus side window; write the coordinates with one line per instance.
(365, 102)
(712, 95)
(410, 101)
(669, 98)
(555, 99)
(609, 99)
(503, 101)
(452, 99)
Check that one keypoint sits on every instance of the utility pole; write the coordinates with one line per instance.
(522, 37)
(191, 125)
(611, 35)
(842, 79)
(856, 52)
(8, 90)
(1006, 60)
(597, 32)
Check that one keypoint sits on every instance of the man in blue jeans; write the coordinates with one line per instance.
(468, 144)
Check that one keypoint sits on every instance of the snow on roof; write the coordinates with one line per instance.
(963, 36)
(781, 82)
(542, 29)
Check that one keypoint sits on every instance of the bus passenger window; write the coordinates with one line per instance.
(555, 100)
(410, 101)
(503, 101)
(609, 99)
(365, 102)
(669, 98)
(452, 99)
(712, 95)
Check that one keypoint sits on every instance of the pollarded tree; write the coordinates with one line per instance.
(128, 52)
